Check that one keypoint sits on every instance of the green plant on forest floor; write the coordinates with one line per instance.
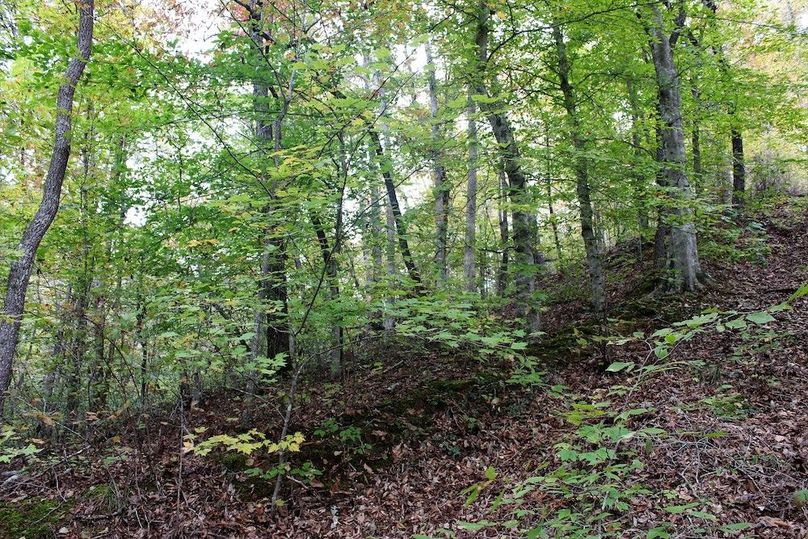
(593, 477)
(350, 436)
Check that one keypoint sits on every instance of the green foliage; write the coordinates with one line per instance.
(245, 443)
(350, 437)
(595, 474)
(11, 448)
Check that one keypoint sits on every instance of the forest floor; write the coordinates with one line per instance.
(400, 441)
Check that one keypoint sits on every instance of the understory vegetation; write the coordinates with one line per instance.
(434, 270)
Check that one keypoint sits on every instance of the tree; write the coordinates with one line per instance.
(21, 268)
(581, 166)
(439, 174)
(518, 192)
(683, 267)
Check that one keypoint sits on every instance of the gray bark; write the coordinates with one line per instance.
(395, 208)
(581, 167)
(522, 220)
(504, 235)
(441, 189)
(20, 272)
(682, 258)
(471, 200)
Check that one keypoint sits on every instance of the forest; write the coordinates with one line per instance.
(431, 269)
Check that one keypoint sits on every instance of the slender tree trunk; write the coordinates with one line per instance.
(695, 140)
(331, 266)
(271, 337)
(518, 193)
(142, 340)
(548, 184)
(20, 272)
(376, 234)
(638, 179)
(738, 168)
(553, 219)
(504, 235)
(331, 270)
(394, 208)
(441, 188)
(390, 261)
(471, 200)
(736, 136)
(581, 166)
(683, 263)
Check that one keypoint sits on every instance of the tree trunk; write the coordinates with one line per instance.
(638, 180)
(581, 167)
(20, 272)
(331, 269)
(471, 200)
(682, 258)
(504, 236)
(695, 139)
(523, 222)
(394, 208)
(271, 337)
(738, 168)
(439, 175)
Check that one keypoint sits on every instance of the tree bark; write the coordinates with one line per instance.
(441, 189)
(581, 167)
(331, 269)
(20, 272)
(471, 200)
(504, 236)
(682, 258)
(522, 219)
(271, 337)
(394, 208)
(638, 180)
(738, 168)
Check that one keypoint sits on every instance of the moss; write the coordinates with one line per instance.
(32, 518)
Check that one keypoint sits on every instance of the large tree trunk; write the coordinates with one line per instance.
(682, 258)
(20, 272)
(471, 200)
(581, 166)
(518, 193)
(439, 175)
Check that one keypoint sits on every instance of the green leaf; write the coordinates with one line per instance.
(660, 532)
(679, 509)
(618, 366)
(738, 323)
(736, 527)
(801, 292)
(490, 473)
(760, 318)
(474, 526)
